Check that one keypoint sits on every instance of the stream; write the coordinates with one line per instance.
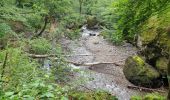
(108, 77)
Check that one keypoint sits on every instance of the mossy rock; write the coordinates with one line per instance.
(91, 22)
(138, 72)
(96, 95)
(149, 30)
(162, 65)
(156, 32)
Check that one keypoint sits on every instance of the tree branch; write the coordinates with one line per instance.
(145, 89)
(4, 65)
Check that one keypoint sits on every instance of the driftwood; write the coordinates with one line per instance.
(145, 89)
(92, 64)
(54, 55)
(41, 56)
(75, 63)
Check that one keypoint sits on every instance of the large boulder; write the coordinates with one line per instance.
(92, 22)
(138, 72)
(162, 65)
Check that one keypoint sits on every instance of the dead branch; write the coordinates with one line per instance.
(54, 55)
(75, 63)
(95, 63)
(41, 56)
(4, 65)
(145, 89)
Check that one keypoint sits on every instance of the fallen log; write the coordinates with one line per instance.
(145, 89)
(75, 63)
(95, 63)
(41, 56)
(55, 55)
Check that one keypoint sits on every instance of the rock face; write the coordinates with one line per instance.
(138, 72)
(155, 35)
(154, 44)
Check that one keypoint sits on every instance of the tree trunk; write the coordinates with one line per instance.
(43, 29)
(168, 98)
(80, 4)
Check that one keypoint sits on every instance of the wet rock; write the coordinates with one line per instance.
(162, 65)
(92, 34)
(92, 22)
(138, 72)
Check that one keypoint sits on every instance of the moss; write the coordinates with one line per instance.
(139, 60)
(91, 22)
(140, 73)
(149, 30)
(162, 65)
(156, 29)
(96, 95)
(153, 96)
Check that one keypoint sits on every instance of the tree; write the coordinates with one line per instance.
(52, 10)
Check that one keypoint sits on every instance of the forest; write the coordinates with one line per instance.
(84, 49)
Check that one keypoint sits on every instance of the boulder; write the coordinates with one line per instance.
(92, 22)
(162, 65)
(138, 72)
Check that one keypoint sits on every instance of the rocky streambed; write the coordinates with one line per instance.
(101, 63)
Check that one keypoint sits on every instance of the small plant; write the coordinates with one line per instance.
(154, 96)
(4, 30)
(73, 34)
(40, 46)
(112, 36)
(93, 95)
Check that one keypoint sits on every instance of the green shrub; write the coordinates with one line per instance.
(18, 69)
(112, 36)
(74, 21)
(4, 30)
(73, 34)
(24, 79)
(130, 14)
(154, 96)
(40, 46)
(93, 95)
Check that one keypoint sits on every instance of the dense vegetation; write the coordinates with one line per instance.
(29, 27)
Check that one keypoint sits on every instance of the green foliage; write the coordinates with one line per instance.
(24, 79)
(112, 36)
(154, 96)
(73, 34)
(95, 95)
(4, 30)
(131, 14)
(18, 69)
(40, 46)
